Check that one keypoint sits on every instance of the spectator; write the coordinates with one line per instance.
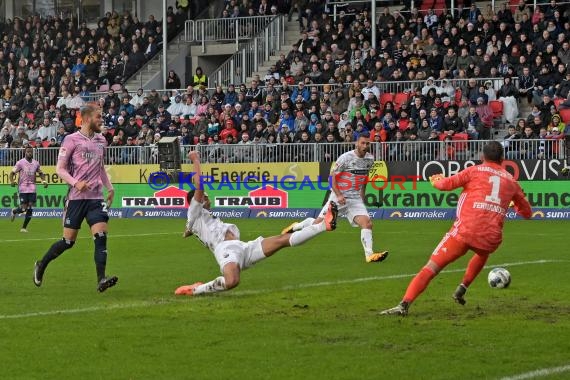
(173, 81)
(199, 79)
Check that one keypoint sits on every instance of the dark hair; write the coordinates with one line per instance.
(365, 135)
(493, 151)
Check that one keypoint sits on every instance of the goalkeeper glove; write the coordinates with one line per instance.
(436, 177)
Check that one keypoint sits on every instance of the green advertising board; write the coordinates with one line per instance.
(551, 194)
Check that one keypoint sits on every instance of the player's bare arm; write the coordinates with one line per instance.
(199, 196)
(194, 156)
(43, 178)
(109, 187)
(13, 175)
(363, 191)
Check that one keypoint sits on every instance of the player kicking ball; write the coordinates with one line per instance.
(222, 239)
(349, 180)
(80, 164)
(488, 191)
(27, 167)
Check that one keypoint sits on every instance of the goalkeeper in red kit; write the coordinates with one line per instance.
(488, 191)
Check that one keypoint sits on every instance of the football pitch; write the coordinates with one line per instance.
(309, 312)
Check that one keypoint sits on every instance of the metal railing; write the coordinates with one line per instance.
(231, 70)
(252, 55)
(313, 152)
(235, 29)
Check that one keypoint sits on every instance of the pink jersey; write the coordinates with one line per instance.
(27, 170)
(82, 159)
(488, 190)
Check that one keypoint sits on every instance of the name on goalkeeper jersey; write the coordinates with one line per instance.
(489, 207)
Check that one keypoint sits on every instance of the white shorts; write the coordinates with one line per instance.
(245, 254)
(351, 209)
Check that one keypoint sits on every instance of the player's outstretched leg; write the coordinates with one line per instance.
(228, 281)
(328, 224)
(367, 240)
(15, 211)
(297, 226)
(100, 257)
(53, 253)
(459, 294)
(400, 309)
(216, 285)
(187, 290)
(27, 220)
(476, 264)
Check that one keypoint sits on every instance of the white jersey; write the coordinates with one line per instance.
(210, 230)
(353, 168)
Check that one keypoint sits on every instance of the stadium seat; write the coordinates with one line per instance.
(116, 87)
(426, 5)
(104, 88)
(400, 98)
(461, 141)
(565, 115)
(497, 108)
(45, 144)
(385, 98)
(438, 6)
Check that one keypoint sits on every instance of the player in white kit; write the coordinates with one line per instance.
(349, 179)
(222, 239)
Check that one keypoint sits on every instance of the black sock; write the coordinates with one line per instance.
(27, 218)
(55, 250)
(100, 255)
(18, 210)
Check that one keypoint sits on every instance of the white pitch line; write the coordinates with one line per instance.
(380, 278)
(539, 373)
(167, 301)
(351, 232)
(90, 237)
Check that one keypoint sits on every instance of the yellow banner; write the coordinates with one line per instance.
(140, 173)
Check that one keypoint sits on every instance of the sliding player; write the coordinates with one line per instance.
(222, 239)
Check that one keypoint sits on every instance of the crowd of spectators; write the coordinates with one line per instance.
(50, 66)
(330, 86)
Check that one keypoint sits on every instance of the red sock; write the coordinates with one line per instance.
(418, 284)
(475, 266)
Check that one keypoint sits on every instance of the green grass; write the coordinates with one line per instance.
(307, 313)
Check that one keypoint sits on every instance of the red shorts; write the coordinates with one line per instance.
(450, 248)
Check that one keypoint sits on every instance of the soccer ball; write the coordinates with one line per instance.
(499, 278)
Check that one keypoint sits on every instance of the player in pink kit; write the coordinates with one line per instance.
(81, 165)
(27, 167)
(488, 191)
